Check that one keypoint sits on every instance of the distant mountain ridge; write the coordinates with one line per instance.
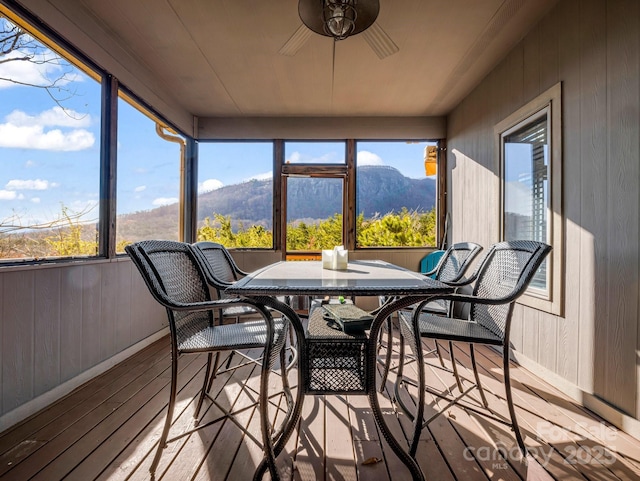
(382, 189)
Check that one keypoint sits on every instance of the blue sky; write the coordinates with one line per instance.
(50, 151)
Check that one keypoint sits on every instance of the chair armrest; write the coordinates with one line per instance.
(210, 305)
(240, 271)
(470, 299)
(431, 272)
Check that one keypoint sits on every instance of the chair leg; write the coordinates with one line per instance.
(512, 411)
(162, 443)
(399, 380)
(472, 353)
(387, 359)
(203, 391)
(419, 416)
(439, 352)
(454, 366)
(265, 425)
(214, 370)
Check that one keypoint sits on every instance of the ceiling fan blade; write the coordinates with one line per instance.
(379, 41)
(295, 43)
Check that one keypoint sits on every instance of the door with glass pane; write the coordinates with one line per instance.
(314, 214)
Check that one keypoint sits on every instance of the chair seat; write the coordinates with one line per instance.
(238, 311)
(245, 335)
(451, 329)
(439, 307)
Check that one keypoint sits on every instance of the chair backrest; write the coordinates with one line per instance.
(430, 262)
(456, 260)
(219, 267)
(503, 276)
(173, 274)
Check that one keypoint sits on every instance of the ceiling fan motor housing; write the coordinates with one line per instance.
(338, 18)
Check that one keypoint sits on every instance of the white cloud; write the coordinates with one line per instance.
(31, 184)
(140, 188)
(56, 116)
(298, 158)
(209, 185)
(369, 158)
(34, 137)
(86, 206)
(35, 200)
(265, 176)
(294, 158)
(8, 195)
(43, 71)
(29, 164)
(165, 200)
(24, 131)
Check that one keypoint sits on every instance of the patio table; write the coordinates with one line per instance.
(361, 278)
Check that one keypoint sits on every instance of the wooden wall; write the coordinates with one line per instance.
(593, 48)
(60, 321)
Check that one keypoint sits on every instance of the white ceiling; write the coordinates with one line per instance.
(220, 58)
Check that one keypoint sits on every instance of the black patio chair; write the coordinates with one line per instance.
(172, 271)
(503, 275)
(221, 271)
(451, 268)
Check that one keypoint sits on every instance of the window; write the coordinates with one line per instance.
(148, 187)
(395, 198)
(530, 166)
(314, 193)
(49, 149)
(314, 213)
(235, 193)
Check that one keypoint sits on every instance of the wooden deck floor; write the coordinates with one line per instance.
(108, 429)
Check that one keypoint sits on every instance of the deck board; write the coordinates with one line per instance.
(108, 429)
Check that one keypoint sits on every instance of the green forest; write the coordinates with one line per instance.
(404, 229)
(71, 238)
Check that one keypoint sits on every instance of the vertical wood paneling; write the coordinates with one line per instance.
(592, 47)
(540, 73)
(46, 330)
(91, 309)
(70, 322)
(573, 324)
(531, 63)
(591, 265)
(17, 341)
(622, 159)
(55, 323)
(123, 313)
(109, 307)
(549, 31)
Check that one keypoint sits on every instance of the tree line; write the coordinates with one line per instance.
(71, 238)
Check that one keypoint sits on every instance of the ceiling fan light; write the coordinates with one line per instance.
(338, 19)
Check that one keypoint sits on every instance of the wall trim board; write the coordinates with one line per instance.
(322, 128)
(590, 401)
(43, 401)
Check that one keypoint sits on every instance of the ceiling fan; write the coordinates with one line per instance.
(340, 19)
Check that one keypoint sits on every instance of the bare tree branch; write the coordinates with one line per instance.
(17, 45)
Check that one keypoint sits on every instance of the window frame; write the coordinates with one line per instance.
(110, 89)
(440, 196)
(550, 102)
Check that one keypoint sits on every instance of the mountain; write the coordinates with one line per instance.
(381, 189)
